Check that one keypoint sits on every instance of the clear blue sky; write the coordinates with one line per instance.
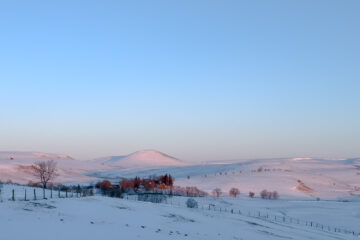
(200, 80)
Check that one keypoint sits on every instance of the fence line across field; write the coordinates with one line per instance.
(43, 194)
(264, 216)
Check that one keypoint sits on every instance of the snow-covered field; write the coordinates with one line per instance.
(100, 217)
(319, 199)
(291, 178)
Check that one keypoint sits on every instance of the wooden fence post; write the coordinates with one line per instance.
(51, 193)
(25, 195)
(34, 194)
(13, 195)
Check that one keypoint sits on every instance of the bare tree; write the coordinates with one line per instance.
(264, 194)
(234, 192)
(45, 171)
(251, 194)
(269, 195)
(275, 195)
(216, 192)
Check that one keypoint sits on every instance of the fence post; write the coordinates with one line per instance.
(51, 193)
(25, 195)
(13, 195)
(34, 194)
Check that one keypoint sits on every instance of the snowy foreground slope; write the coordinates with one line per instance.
(98, 217)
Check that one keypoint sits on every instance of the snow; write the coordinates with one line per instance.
(329, 179)
(292, 178)
(141, 159)
(100, 217)
(13, 166)
(73, 171)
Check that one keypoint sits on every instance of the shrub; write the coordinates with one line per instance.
(188, 191)
(106, 184)
(264, 194)
(115, 192)
(216, 192)
(269, 195)
(91, 192)
(234, 192)
(275, 195)
(152, 197)
(251, 194)
(191, 203)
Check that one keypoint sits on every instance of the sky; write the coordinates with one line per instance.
(199, 80)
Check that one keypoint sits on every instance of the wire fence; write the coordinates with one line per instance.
(265, 216)
(34, 194)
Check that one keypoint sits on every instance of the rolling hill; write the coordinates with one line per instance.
(140, 159)
(293, 177)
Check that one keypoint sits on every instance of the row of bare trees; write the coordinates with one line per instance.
(234, 192)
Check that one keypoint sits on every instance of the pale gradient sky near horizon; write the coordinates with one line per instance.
(198, 80)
